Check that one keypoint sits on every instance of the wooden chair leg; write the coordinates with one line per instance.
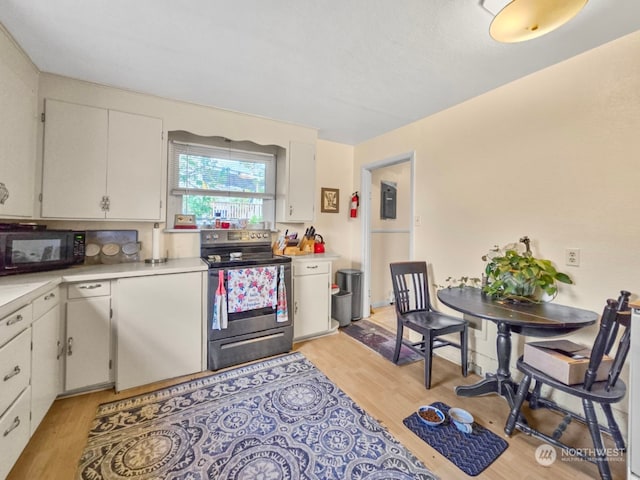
(535, 395)
(463, 352)
(613, 427)
(600, 455)
(399, 333)
(428, 349)
(523, 389)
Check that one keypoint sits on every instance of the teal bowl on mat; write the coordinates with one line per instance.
(432, 413)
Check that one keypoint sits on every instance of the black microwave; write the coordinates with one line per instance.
(24, 251)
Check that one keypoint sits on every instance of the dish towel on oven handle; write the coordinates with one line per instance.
(282, 314)
(252, 288)
(219, 321)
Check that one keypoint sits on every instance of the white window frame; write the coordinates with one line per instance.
(236, 150)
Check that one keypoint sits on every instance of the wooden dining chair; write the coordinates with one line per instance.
(615, 323)
(415, 312)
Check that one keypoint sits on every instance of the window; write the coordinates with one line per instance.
(211, 181)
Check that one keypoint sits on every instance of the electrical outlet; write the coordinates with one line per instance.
(572, 257)
(418, 221)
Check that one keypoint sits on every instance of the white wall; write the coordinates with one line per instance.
(554, 156)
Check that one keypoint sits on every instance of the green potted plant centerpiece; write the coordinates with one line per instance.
(513, 274)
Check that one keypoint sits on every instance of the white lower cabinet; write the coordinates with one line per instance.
(88, 335)
(29, 372)
(161, 334)
(159, 327)
(311, 298)
(45, 365)
(15, 368)
(14, 431)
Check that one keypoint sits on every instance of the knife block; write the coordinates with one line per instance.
(306, 245)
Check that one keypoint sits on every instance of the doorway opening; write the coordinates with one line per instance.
(385, 238)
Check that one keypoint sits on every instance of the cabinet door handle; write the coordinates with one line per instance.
(312, 267)
(295, 308)
(104, 204)
(16, 319)
(4, 193)
(50, 296)
(89, 287)
(16, 370)
(15, 424)
(290, 209)
(69, 346)
(59, 351)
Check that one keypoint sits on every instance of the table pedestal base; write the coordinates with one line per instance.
(492, 383)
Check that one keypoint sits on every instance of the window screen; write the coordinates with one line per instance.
(221, 182)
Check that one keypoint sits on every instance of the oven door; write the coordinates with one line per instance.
(250, 321)
(249, 335)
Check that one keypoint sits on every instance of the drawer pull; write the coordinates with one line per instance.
(15, 424)
(50, 296)
(16, 319)
(90, 287)
(312, 267)
(16, 370)
(69, 346)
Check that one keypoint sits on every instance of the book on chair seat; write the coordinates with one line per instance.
(563, 360)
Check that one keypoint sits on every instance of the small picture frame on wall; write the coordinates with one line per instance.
(329, 200)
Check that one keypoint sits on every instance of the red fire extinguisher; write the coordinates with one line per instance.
(355, 203)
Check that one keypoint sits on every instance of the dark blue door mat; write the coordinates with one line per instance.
(380, 340)
(471, 453)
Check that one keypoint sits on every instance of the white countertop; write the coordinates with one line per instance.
(18, 290)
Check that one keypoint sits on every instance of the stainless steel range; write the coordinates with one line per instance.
(253, 329)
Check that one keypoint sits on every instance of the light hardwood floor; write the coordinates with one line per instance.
(386, 391)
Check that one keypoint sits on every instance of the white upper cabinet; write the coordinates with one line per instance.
(100, 164)
(296, 184)
(75, 160)
(134, 174)
(18, 131)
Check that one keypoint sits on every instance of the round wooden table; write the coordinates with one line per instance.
(535, 320)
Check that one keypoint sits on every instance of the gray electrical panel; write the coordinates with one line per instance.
(388, 199)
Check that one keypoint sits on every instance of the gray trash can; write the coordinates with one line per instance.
(350, 280)
(341, 307)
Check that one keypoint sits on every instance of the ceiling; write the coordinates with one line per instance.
(352, 69)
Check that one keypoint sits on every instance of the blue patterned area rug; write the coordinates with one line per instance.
(280, 419)
(380, 340)
(471, 453)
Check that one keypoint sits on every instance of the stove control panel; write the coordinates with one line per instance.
(218, 236)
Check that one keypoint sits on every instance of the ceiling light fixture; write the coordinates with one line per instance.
(520, 20)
